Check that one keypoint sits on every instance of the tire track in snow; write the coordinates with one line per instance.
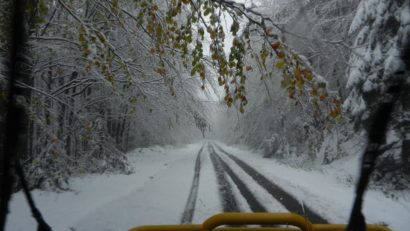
(193, 194)
(228, 200)
(253, 203)
(287, 200)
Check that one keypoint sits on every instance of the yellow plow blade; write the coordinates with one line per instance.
(278, 221)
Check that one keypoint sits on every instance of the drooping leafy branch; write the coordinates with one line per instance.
(182, 27)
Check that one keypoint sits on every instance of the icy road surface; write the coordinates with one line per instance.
(187, 185)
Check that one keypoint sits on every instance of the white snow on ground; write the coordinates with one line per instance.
(242, 203)
(157, 192)
(325, 193)
(260, 193)
(159, 201)
(208, 201)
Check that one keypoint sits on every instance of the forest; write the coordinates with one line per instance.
(298, 80)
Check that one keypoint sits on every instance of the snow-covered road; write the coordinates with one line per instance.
(277, 193)
(189, 184)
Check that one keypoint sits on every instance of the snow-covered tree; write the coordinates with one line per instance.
(382, 37)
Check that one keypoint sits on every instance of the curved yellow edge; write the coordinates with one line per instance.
(295, 221)
(256, 219)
